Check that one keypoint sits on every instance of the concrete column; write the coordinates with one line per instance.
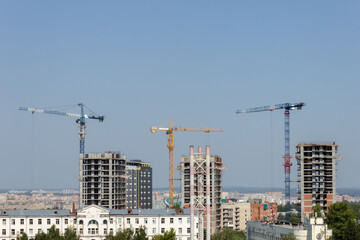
(192, 193)
(208, 192)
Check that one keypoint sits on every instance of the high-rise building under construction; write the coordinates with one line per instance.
(317, 175)
(202, 172)
(102, 180)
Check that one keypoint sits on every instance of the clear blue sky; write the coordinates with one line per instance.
(142, 63)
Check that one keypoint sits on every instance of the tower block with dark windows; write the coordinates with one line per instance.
(138, 185)
(317, 175)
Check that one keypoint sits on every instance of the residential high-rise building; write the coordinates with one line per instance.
(317, 175)
(203, 179)
(235, 215)
(102, 180)
(139, 185)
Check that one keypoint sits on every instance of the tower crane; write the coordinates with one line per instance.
(169, 131)
(81, 120)
(287, 157)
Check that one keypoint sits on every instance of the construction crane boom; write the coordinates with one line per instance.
(287, 157)
(81, 120)
(169, 132)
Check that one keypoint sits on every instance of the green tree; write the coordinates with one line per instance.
(317, 211)
(289, 236)
(281, 217)
(295, 217)
(24, 236)
(140, 234)
(228, 234)
(356, 208)
(41, 236)
(168, 235)
(341, 219)
(70, 234)
(54, 234)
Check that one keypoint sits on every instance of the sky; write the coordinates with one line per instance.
(142, 63)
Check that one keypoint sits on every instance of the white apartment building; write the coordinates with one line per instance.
(312, 229)
(94, 222)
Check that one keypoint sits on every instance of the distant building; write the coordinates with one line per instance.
(94, 222)
(139, 185)
(313, 229)
(317, 175)
(102, 180)
(263, 211)
(235, 215)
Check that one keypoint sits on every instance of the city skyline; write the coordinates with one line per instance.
(142, 64)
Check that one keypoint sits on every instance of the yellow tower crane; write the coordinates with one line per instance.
(169, 132)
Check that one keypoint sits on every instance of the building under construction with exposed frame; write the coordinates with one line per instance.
(201, 187)
(103, 180)
(317, 175)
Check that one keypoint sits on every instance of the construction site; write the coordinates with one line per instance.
(201, 187)
(317, 175)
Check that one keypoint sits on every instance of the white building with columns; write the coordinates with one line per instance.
(94, 222)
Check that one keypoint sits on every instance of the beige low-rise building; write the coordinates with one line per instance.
(235, 215)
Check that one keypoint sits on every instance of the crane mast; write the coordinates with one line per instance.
(287, 156)
(169, 131)
(81, 120)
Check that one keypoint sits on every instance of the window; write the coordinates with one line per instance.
(39, 230)
(180, 220)
(81, 231)
(66, 221)
(57, 221)
(21, 231)
(111, 231)
(145, 220)
(154, 220)
(39, 221)
(188, 230)
(171, 220)
(162, 230)
(105, 222)
(105, 231)
(22, 221)
(31, 232)
(4, 221)
(154, 230)
(128, 220)
(12, 221)
(4, 232)
(81, 222)
(188, 220)
(111, 221)
(48, 221)
(136, 220)
(180, 230)
(12, 231)
(31, 221)
(162, 220)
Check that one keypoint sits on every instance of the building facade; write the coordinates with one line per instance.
(138, 185)
(317, 175)
(314, 229)
(263, 211)
(93, 222)
(235, 215)
(102, 180)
